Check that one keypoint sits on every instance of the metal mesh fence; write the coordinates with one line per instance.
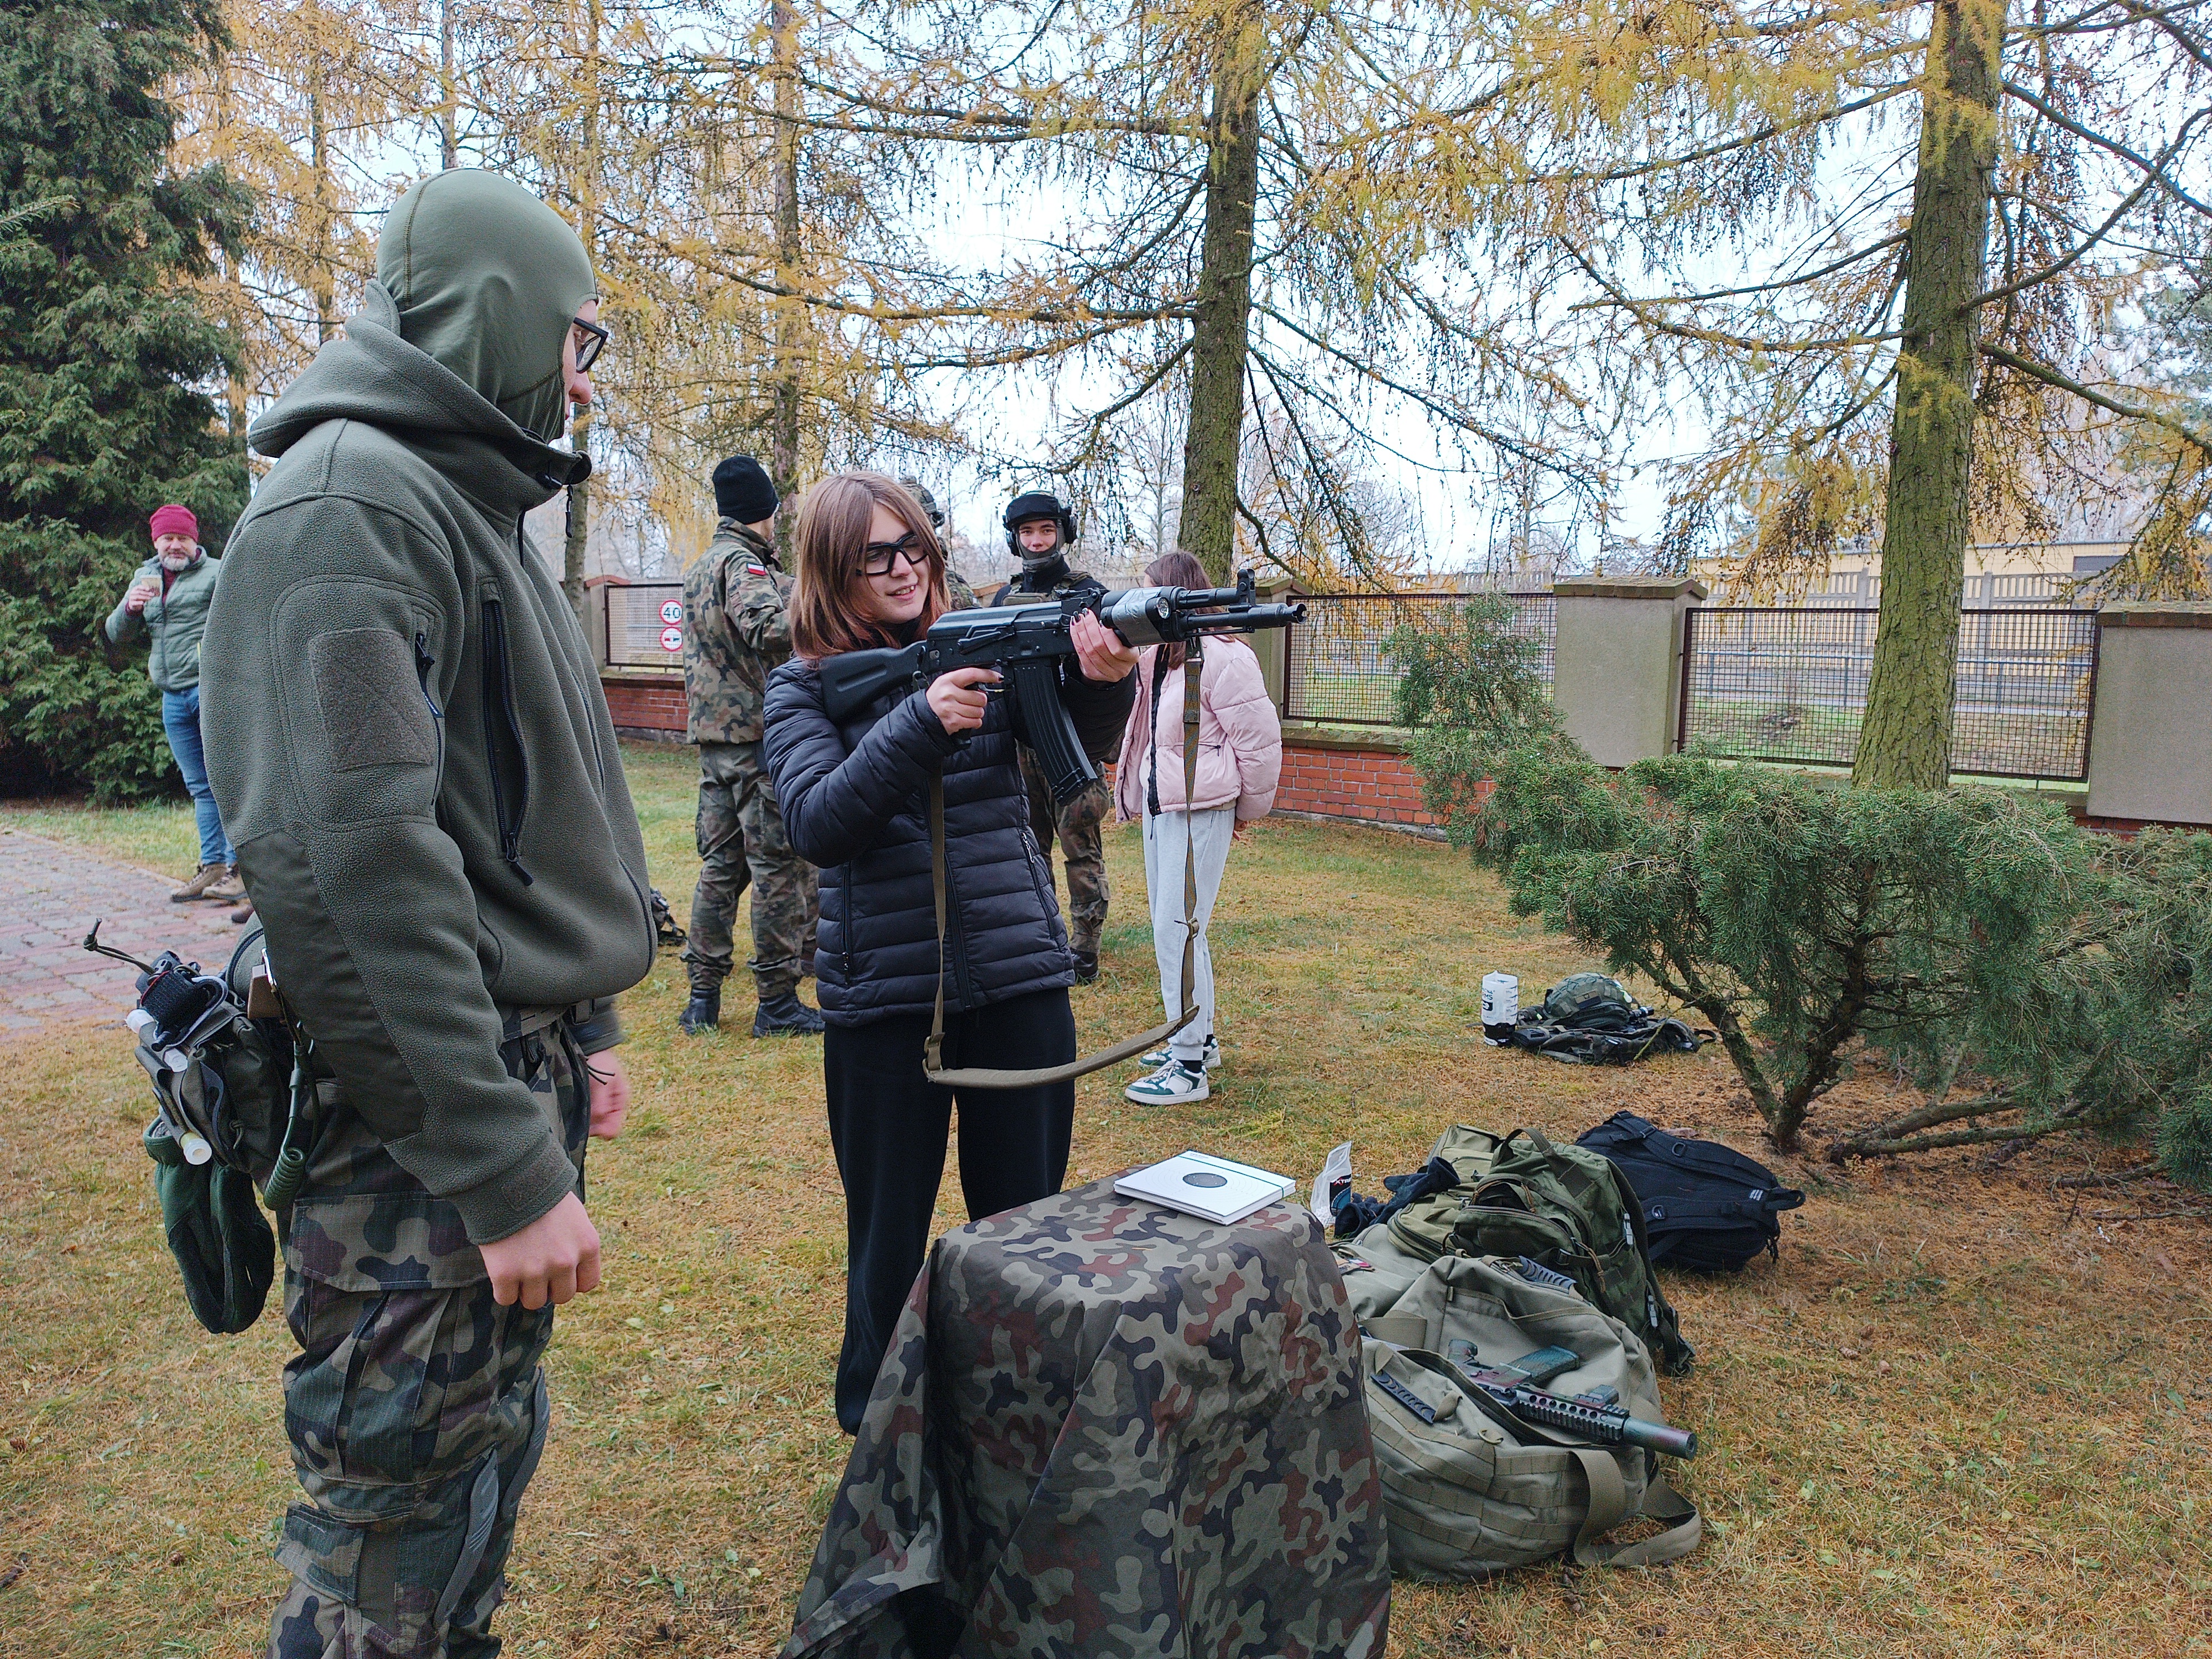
(642, 630)
(1339, 669)
(1789, 685)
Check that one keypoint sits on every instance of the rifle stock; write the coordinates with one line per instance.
(853, 679)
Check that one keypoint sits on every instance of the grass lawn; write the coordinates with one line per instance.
(1964, 1414)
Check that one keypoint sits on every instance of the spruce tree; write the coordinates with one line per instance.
(106, 365)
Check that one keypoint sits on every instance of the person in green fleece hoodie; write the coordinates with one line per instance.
(417, 770)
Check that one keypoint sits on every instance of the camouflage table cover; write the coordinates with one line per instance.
(1105, 1429)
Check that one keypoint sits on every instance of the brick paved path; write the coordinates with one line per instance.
(49, 894)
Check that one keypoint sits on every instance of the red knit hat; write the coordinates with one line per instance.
(174, 521)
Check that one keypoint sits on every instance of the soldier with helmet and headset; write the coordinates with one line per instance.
(1040, 530)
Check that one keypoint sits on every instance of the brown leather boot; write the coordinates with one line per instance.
(226, 887)
(202, 878)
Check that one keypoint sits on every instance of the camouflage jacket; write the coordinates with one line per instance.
(1104, 1429)
(737, 627)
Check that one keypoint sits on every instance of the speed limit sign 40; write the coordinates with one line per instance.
(672, 612)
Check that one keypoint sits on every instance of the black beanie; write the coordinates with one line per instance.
(742, 491)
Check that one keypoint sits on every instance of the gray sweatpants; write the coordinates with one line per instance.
(1209, 832)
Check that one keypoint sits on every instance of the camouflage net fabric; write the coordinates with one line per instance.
(1102, 1429)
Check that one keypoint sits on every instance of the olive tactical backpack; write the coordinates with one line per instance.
(1566, 1207)
(1468, 1490)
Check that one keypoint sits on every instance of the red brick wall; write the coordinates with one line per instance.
(1373, 785)
(646, 703)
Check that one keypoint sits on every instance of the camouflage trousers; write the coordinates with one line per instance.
(1082, 844)
(742, 843)
(416, 1405)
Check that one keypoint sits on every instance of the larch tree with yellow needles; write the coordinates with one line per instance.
(1892, 255)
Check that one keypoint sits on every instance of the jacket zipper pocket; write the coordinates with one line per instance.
(500, 720)
(424, 662)
(954, 959)
(845, 925)
(1041, 884)
(424, 665)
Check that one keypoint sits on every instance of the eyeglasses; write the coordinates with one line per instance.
(879, 558)
(591, 340)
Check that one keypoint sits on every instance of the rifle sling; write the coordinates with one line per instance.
(986, 1077)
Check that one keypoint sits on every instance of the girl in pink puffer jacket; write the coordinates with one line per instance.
(1240, 759)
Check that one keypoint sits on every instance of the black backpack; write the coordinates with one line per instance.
(1706, 1207)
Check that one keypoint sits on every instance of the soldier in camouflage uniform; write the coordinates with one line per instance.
(736, 629)
(1040, 530)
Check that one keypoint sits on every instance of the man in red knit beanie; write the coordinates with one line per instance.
(167, 601)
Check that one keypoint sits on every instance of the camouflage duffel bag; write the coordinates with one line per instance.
(1466, 1493)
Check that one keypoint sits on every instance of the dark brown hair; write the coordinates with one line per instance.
(826, 616)
(1177, 569)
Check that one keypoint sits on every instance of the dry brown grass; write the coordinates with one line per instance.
(1959, 1417)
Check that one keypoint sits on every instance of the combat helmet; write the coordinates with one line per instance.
(1587, 1001)
(924, 500)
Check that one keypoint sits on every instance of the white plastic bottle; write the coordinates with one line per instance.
(1501, 1006)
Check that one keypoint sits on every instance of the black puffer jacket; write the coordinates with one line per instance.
(855, 801)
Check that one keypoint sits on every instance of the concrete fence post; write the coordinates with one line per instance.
(1617, 662)
(1272, 645)
(2150, 743)
(595, 621)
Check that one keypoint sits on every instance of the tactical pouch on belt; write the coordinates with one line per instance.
(225, 1101)
(213, 1221)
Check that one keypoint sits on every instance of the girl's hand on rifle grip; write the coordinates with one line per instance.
(1102, 653)
(958, 699)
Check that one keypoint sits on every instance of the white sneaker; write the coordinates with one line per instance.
(1161, 1055)
(1173, 1085)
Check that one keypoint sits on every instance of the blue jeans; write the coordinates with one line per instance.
(180, 719)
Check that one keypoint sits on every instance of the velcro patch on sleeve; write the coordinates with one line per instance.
(373, 709)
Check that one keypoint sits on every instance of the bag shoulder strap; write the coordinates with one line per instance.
(991, 1076)
(1660, 1502)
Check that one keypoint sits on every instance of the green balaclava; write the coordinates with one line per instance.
(488, 279)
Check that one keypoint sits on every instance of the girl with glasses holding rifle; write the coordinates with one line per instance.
(856, 801)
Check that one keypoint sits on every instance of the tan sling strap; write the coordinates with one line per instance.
(1608, 1507)
(987, 1077)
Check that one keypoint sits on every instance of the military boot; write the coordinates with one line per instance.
(703, 1012)
(787, 1016)
(1086, 967)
